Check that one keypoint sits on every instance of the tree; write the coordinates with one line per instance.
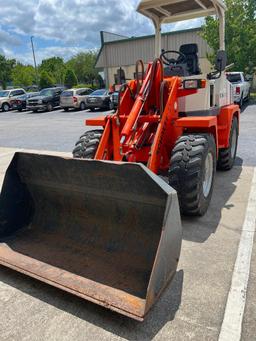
(70, 78)
(46, 81)
(6, 66)
(23, 75)
(240, 34)
(83, 65)
(55, 67)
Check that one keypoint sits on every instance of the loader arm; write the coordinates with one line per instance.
(146, 132)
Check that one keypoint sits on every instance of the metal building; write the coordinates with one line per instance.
(124, 52)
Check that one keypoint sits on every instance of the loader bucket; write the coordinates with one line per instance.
(107, 232)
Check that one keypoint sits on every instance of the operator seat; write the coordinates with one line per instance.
(191, 53)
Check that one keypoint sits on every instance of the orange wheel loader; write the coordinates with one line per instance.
(104, 225)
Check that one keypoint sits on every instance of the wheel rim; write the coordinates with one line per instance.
(6, 107)
(82, 106)
(208, 176)
(233, 143)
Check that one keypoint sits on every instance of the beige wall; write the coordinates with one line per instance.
(129, 70)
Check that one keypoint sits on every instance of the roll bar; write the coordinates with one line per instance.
(168, 11)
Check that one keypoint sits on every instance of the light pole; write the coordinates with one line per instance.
(34, 57)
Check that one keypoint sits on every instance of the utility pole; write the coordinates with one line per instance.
(34, 57)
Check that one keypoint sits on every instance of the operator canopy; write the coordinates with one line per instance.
(167, 11)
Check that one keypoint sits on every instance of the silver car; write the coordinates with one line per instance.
(74, 98)
(6, 96)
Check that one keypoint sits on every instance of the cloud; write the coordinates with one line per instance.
(65, 52)
(8, 39)
(64, 26)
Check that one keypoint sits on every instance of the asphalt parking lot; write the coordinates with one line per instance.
(193, 307)
(56, 130)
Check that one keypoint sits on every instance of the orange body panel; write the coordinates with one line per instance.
(147, 125)
(224, 123)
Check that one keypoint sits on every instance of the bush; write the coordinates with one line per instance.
(70, 79)
(46, 81)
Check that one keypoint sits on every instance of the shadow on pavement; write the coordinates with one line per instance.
(163, 312)
(200, 229)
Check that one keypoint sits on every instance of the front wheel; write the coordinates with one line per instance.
(87, 145)
(192, 172)
(227, 156)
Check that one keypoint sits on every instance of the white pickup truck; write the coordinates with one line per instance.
(241, 87)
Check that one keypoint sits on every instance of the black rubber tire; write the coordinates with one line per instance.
(226, 160)
(66, 109)
(35, 111)
(187, 171)
(87, 145)
(241, 103)
(92, 109)
(82, 106)
(5, 107)
(49, 107)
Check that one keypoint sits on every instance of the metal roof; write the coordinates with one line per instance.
(167, 11)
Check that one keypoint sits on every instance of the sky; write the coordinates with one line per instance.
(65, 27)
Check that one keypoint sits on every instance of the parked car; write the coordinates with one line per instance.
(74, 98)
(241, 87)
(114, 100)
(47, 100)
(20, 103)
(98, 99)
(6, 96)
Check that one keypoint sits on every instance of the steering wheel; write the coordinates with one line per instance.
(172, 61)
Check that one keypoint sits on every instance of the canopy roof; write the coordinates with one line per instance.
(167, 11)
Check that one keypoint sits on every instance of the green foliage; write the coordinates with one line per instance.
(55, 67)
(83, 65)
(85, 85)
(70, 79)
(52, 71)
(240, 34)
(23, 75)
(46, 81)
(6, 66)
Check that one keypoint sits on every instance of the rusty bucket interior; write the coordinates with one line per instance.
(107, 232)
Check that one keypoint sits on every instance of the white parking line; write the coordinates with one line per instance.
(231, 328)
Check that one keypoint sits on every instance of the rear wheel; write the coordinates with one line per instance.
(49, 107)
(82, 106)
(5, 107)
(192, 172)
(227, 156)
(87, 145)
(241, 103)
(66, 109)
(92, 109)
